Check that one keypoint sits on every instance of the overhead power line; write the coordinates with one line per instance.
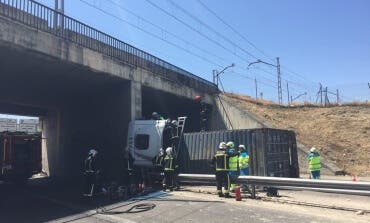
(158, 37)
(234, 30)
(150, 34)
(166, 31)
(248, 41)
(211, 29)
(196, 30)
(175, 36)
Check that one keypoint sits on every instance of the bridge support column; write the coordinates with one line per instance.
(136, 100)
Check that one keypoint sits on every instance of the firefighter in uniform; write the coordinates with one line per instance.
(233, 164)
(158, 160)
(92, 174)
(169, 166)
(221, 163)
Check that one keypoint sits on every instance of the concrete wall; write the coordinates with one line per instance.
(235, 117)
(27, 38)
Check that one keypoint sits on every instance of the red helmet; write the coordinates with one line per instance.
(197, 98)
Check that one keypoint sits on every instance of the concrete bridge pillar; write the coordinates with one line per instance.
(136, 100)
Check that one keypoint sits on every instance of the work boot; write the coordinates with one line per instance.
(227, 195)
(220, 194)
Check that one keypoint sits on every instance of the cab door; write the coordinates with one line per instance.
(147, 141)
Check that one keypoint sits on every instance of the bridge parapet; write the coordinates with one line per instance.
(43, 18)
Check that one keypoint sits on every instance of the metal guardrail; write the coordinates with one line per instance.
(291, 182)
(48, 20)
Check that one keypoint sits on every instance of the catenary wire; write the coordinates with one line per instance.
(150, 34)
(211, 29)
(248, 41)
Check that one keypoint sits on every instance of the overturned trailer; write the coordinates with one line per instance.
(272, 152)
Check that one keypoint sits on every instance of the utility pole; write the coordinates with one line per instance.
(287, 88)
(280, 94)
(337, 97)
(56, 8)
(321, 94)
(215, 79)
(216, 74)
(255, 83)
(326, 97)
(59, 8)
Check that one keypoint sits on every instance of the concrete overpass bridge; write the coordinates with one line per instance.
(86, 85)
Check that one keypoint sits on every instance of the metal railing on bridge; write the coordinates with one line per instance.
(48, 20)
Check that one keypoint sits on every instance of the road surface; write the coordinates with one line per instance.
(42, 204)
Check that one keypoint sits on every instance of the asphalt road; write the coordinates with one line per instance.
(42, 204)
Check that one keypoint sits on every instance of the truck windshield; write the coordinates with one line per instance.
(141, 141)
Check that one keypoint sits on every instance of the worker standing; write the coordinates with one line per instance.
(169, 166)
(221, 164)
(158, 160)
(314, 163)
(92, 174)
(156, 116)
(243, 160)
(233, 164)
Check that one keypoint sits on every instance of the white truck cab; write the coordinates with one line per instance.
(145, 138)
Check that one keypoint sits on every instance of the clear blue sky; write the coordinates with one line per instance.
(321, 41)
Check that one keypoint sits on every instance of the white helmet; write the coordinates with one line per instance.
(174, 122)
(230, 144)
(241, 147)
(161, 152)
(313, 149)
(222, 145)
(93, 152)
(169, 151)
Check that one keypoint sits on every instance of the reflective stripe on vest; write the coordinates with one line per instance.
(159, 160)
(243, 162)
(221, 162)
(233, 163)
(315, 163)
(168, 163)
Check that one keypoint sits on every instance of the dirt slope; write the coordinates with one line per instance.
(341, 133)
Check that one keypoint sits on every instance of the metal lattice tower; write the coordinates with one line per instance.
(280, 93)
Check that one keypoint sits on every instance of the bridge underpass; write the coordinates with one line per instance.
(85, 91)
(79, 109)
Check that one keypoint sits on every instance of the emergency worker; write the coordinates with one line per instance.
(156, 116)
(221, 163)
(243, 161)
(314, 163)
(92, 173)
(169, 166)
(233, 164)
(158, 159)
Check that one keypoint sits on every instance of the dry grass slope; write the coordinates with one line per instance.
(341, 133)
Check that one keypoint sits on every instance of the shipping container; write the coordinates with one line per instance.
(272, 152)
(20, 155)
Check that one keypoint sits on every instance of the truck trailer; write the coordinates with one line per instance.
(273, 152)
